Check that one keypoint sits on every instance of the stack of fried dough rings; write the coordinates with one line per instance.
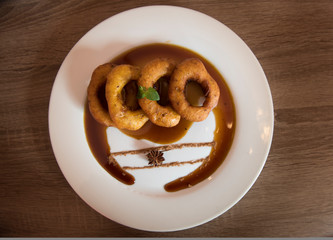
(109, 80)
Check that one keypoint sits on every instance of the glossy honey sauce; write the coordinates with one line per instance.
(224, 114)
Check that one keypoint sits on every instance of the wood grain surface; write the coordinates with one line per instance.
(293, 197)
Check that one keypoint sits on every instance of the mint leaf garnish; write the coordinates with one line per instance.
(141, 92)
(149, 93)
(152, 94)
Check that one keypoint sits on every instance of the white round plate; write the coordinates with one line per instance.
(146, 205)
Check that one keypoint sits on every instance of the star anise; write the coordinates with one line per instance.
(155, 158)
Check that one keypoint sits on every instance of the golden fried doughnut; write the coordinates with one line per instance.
(122, 116)
(96, 94)
(192, 69)
(160, 115)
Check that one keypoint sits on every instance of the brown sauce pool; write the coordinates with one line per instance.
(224, 114)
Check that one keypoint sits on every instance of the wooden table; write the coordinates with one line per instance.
(293, 197)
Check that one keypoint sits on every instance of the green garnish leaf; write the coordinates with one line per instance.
(141, 92)
(152, 94)
(149, 93)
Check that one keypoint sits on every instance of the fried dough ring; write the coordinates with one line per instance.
(97, 108)
(192, 69)
(121, 115)
(163, 116)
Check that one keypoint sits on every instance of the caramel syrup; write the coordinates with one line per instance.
(224, 114)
